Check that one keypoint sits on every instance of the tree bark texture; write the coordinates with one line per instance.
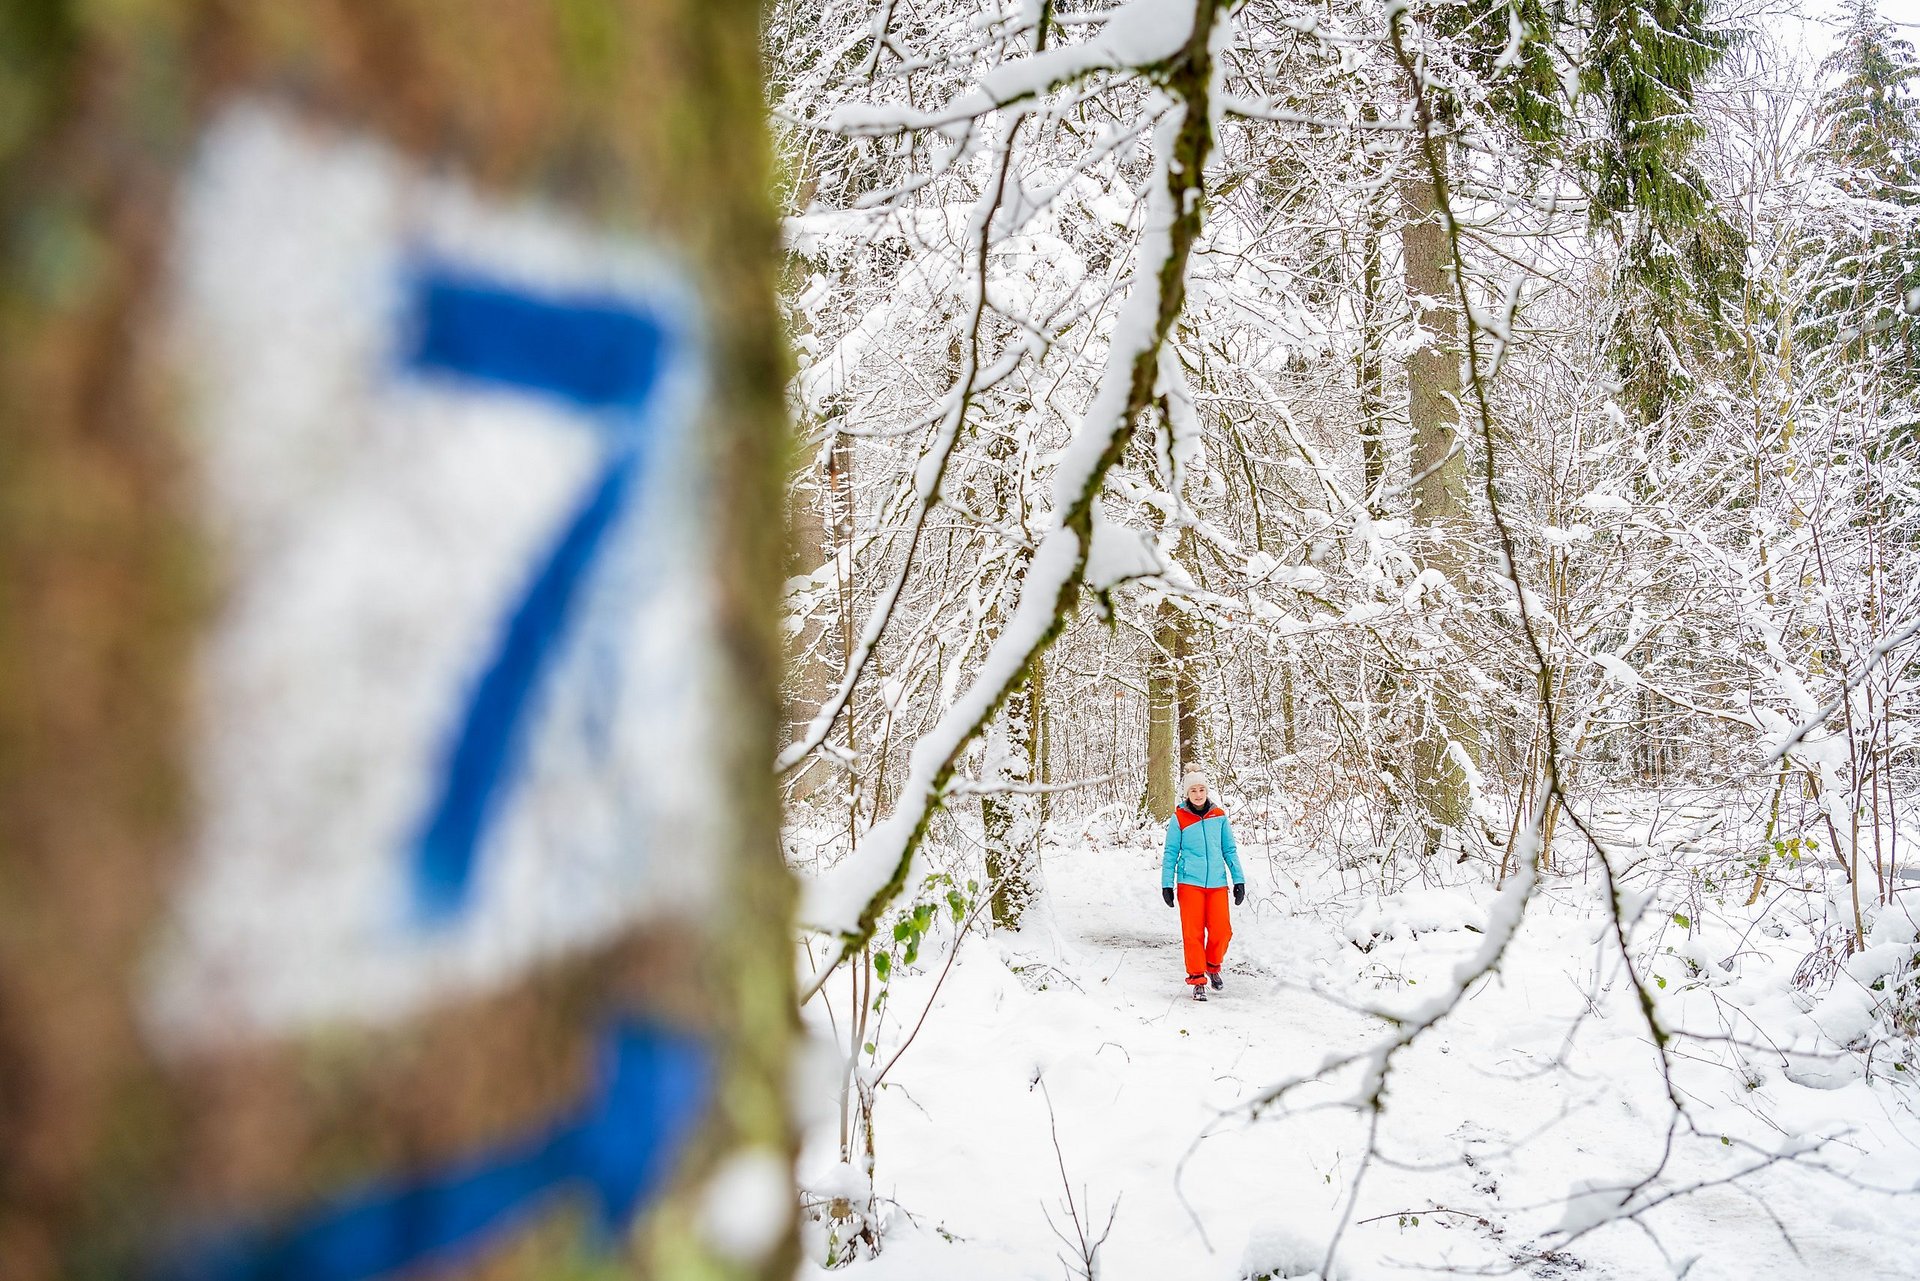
(1438, 480)
(1010, 821)
(1037, 744)
(1157, 799)
(1439, 467)
(1372, 372)
(814, 536)
(1187, 694)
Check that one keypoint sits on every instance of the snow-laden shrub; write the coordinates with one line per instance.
(1871, 1002)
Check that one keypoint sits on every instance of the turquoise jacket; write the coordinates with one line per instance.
(1200, 850)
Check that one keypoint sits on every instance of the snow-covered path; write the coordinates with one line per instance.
(1083, 1014)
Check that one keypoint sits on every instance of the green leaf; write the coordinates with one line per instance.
(1682, 921)
(882, 965)
(1659, 982)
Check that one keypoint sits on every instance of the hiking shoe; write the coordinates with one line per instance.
(1213, 977)
(1199, 991)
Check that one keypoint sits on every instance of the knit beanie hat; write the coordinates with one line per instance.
(1194, 775)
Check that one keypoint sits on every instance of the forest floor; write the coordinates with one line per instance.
(1518, 1121)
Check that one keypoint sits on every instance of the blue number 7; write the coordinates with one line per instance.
(601, 356)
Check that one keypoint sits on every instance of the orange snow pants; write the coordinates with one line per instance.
(1204, 929)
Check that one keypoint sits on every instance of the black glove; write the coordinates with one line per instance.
(1166, 892)
(1239, 893)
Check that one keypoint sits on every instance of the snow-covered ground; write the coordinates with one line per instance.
(1519, 1120)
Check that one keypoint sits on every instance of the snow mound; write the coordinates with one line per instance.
(1284, 1250)
(1411, 913)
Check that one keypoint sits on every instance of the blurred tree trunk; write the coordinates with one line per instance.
(816, 524)
(99, 597)
(635, 115)
(839, 500)
(1010, 820)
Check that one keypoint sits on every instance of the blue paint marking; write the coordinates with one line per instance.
(619, 1146)
(474, 782)
(602, 356)
(596, 351)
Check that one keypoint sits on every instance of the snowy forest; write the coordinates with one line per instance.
(1482, 438)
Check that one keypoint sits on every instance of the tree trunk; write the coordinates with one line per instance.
(839, 504)
(1289, 738)
(1439, 479)
(1157, 799)
(1438, 485)
(1372, 377)
(1010, 821)
(1041, 725)
(811, 542)
(631, 115)
(1187, 695)
(100, 592)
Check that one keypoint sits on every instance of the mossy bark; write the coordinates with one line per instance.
(99, 598)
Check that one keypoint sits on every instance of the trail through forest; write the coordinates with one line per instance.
(1543, 1086)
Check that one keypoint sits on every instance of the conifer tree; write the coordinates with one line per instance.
(1643, 70)
(1870, 133)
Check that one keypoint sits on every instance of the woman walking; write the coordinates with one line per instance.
(1201, 860)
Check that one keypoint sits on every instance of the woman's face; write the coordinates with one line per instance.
(1197, 794)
